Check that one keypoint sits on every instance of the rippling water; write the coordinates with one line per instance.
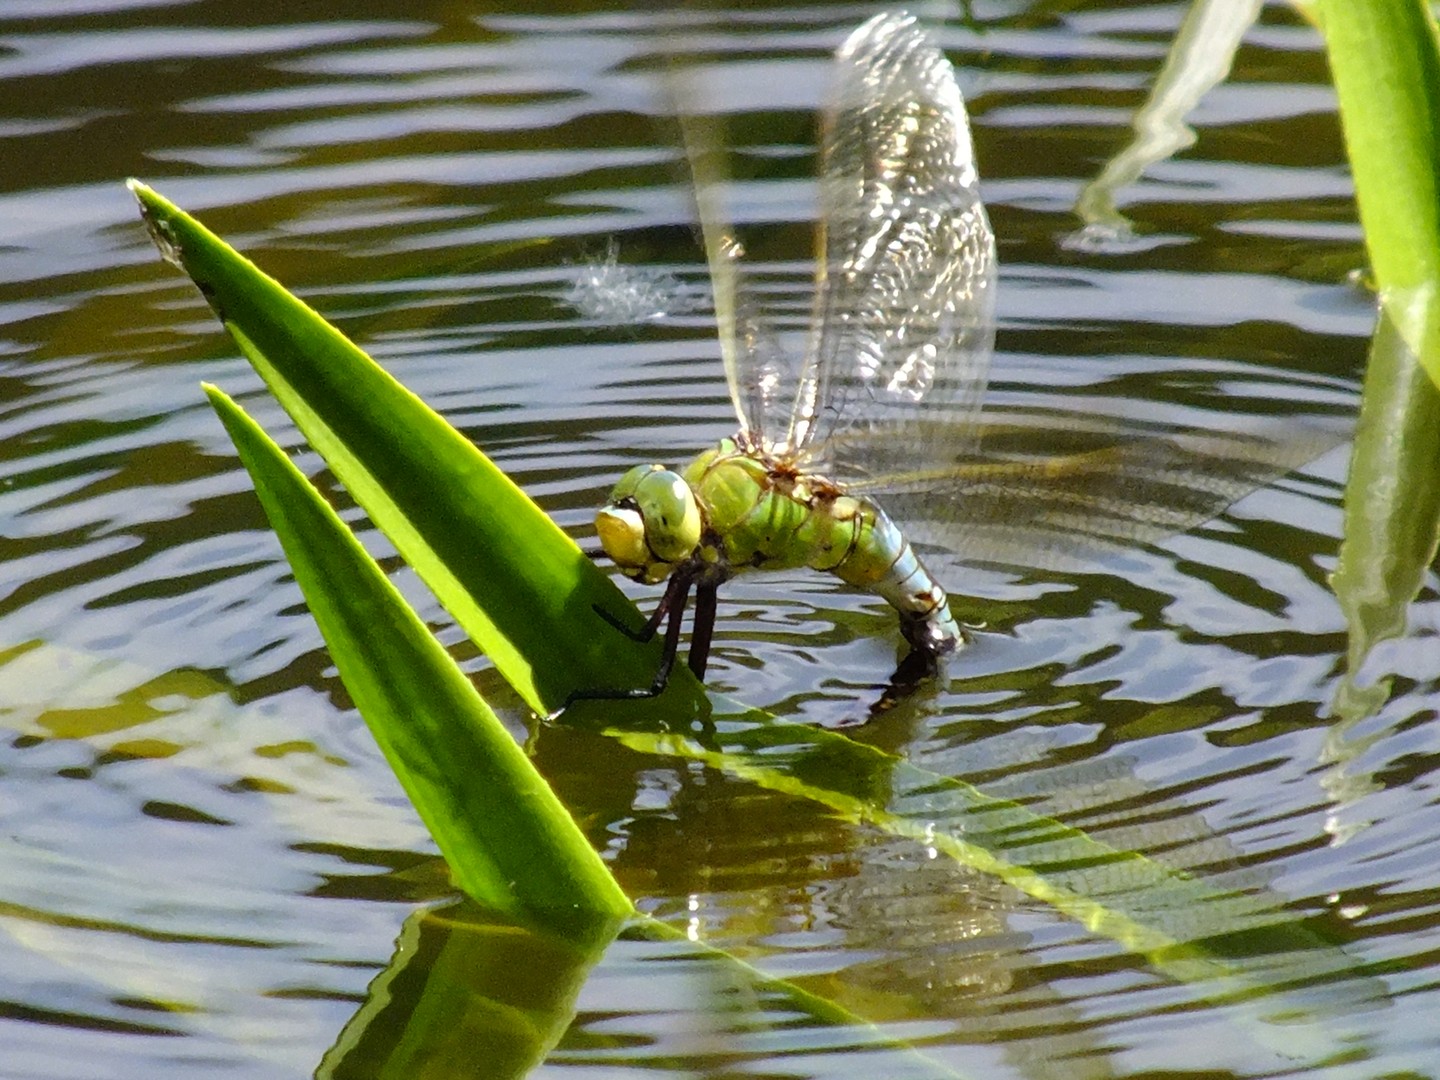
(204, 861)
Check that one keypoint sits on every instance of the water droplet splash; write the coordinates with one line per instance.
(609, 292)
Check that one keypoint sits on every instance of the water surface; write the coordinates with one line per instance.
(206, 862)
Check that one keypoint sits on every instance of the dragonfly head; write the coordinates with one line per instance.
(650, 523)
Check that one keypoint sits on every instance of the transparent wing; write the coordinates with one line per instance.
(904, 323)
(1055, 491)
(760, 375)
(902, 334)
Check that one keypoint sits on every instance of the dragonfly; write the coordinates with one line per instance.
(873, 441)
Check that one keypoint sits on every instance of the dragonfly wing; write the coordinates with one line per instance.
(1056, 492)
(901, 341)
(760, 378)
(904, 323)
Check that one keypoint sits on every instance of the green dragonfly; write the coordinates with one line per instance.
(878, 426)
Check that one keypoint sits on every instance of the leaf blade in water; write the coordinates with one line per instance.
(1392, 507)
(520, 588)
(510, 843)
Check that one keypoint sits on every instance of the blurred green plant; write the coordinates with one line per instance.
(1385, 61)
(1199, 58)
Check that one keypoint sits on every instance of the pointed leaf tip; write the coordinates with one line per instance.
(155, 210)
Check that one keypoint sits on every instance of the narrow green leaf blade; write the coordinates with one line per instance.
(510, 843)
(513, 580)
(1385, 60)
(1392, 505)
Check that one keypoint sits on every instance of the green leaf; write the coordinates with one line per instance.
(521, 589)
(1200, 57)
(509, 842)
(1392, 504)
(1385, 60)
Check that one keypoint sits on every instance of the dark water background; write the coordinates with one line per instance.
(204, 861)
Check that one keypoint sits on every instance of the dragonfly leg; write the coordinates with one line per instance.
(704, 627)
(677, 584)
(671, 606)
(672, 634)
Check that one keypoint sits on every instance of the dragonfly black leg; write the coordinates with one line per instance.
(671, 606)
(678, 588)
(672, 638)
(704, 628)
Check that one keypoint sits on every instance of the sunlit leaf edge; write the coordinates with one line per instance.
(509, 841)
(517, 585)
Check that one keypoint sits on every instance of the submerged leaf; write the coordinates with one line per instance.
(1392, 507)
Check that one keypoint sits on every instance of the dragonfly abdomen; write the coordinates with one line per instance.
(763, 515)
(881, 560)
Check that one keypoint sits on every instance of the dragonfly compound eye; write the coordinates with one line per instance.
(622, 535)
(625, 488)
(671, 515)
